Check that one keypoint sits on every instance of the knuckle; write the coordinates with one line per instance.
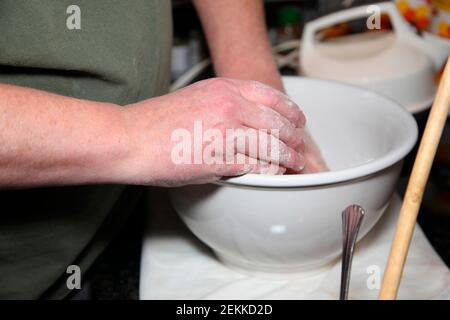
(258, 85)
(263, 90)
(220, 84)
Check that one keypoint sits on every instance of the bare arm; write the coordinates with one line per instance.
(238, 41)
(46, 139)
(50, 140)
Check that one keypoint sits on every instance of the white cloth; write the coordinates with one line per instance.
(176, 265)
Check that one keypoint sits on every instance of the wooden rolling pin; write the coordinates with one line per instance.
(416, 186)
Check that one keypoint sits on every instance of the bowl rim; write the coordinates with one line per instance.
(344, 175)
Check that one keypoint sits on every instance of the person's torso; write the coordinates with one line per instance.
(120, 54)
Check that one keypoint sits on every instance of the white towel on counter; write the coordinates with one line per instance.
(176, 265)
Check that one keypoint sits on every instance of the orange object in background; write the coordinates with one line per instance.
(335, 31)
(444, 29)
(343, 29)
(441, 21)
(438, 75)
(417, 12)
(385, 22)
(427, 15)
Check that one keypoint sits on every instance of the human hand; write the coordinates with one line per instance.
(217, 105)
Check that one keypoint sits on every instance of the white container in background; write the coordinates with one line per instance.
(394, 64)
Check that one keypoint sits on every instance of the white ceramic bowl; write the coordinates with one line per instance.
(279, 224)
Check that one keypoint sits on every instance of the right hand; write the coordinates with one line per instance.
(218, 104)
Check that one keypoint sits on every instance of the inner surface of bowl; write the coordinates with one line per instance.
(359, 132)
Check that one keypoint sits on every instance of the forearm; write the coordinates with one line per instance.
(238, 41)
(46, 139)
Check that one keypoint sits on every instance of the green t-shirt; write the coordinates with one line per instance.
(121, 54)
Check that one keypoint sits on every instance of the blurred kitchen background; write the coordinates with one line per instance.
(285, 20)
(117, 273)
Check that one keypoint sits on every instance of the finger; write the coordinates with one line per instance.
(262, 146)
(314, 161)
(272, 98)
(250, 165)
(259, 116)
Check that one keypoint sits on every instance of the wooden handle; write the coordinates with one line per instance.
(416, 186)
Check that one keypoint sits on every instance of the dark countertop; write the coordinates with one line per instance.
(115, 274)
